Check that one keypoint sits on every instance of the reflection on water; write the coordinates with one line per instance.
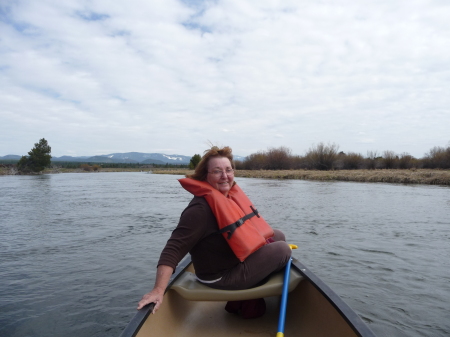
(78, 250)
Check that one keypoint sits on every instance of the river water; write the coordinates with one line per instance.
(77, 251)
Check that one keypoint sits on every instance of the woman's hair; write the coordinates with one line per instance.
(201, 171)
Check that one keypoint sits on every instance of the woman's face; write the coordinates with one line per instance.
(217, 176)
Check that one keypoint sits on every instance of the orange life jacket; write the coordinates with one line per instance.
(239, 222)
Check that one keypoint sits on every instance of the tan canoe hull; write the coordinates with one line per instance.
(313, 311)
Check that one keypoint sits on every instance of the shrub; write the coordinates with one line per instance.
(299, 163)
(326, 157)
(438, 157)
(86, 167)
(272, 159)
(255, 161)
(322, 157)
(405, 161)
(372, 160)
(350, 161)
(389, 160)
(239, 165)
(278, 158)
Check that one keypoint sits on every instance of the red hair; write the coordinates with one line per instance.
(201, 171)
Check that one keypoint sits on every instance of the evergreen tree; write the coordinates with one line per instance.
(38, 158)
(194, 161)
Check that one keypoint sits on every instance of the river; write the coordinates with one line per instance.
(77, 251)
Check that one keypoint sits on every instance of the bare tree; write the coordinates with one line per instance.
(350, 161)
(371, 160)
(405, 161)
(279, 158)
(322, 157)
(389, 159)
(255, 161)
(438, 157)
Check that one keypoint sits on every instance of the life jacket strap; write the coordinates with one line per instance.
(231, 228)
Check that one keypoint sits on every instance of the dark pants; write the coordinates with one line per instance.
(266, 260)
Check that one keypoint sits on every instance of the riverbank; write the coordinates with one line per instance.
(413, 176)
(13, 170)
(417, 176)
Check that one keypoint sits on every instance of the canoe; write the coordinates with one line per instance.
(193, 309)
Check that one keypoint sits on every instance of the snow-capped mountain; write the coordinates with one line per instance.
(128, 157)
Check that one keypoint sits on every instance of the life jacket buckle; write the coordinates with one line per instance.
(255, 211)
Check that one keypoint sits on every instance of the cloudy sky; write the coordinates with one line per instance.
(95, 77)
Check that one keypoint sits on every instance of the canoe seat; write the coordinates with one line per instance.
(189, 288)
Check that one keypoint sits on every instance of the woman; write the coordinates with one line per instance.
(218, 264)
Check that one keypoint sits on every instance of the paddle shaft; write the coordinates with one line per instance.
(284, 298)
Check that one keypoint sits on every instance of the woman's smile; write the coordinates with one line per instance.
(220, 174)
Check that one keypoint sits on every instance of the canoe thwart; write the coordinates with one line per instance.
(191, 289)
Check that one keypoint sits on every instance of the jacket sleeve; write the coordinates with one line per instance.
(190, 230)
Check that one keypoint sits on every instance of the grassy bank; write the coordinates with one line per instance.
(419, 176)
(413, 176)
(10, 171)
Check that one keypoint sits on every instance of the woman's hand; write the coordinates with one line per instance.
(155, 296)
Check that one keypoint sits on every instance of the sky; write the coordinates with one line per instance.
(96, 77)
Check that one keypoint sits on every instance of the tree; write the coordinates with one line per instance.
(279, 158)
(438, 157)
(38, 158)
(372, 160)
(405, 161)
(255, 161)
(350, 161)
(322, 157)
(194, 161)
(389, 159)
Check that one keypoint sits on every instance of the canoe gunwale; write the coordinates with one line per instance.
(132, 329)
(350, 316)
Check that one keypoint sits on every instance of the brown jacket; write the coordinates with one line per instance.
(196, 234)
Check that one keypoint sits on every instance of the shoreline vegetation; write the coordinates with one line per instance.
(396, 176)
(322, 162)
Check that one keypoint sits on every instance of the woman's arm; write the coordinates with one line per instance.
(189, 231)
(156, 295)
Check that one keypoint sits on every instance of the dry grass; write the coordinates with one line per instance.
(4, 171)
(8, 171)
(413, 176)
(419, 176)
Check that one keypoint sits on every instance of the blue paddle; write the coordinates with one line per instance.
(284, 296)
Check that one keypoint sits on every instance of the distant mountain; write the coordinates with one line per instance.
(109, 160)
(149, 157)
(69, 158)
(11, 157)
(128, 157)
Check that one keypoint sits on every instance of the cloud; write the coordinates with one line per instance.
(101, 77)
